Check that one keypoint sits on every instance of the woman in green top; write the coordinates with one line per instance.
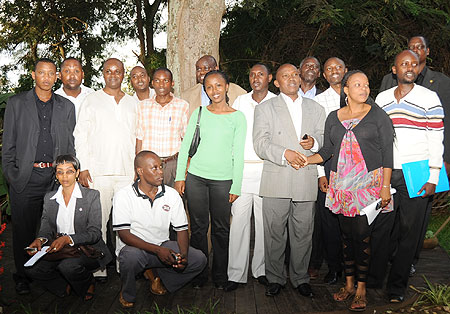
(214, 176)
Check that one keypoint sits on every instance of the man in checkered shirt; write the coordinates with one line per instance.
(162, 123)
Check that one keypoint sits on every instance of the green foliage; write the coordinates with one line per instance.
(436, 220)
(366, 34)
(433, 294)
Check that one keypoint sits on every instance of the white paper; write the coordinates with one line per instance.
(371, 211)
(36, 256)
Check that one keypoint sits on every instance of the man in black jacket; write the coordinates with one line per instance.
(38, 126)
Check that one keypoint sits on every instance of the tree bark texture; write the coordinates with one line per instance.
(193, 30)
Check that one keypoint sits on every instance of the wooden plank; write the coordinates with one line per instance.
(243, 294)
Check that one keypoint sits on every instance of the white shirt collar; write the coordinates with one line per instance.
(288, 100)
(76, 193)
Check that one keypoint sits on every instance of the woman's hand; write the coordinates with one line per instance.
(37, 243)
(385, 195)
(180, 186)
(233, 197)
(58, 244)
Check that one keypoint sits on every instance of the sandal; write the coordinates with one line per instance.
(343, 295)
(359, 303)
(90, 292)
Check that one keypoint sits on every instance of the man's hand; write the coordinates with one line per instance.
(181, 263)
(308, 143)
(180, 186)
(429, 189)
(85, 178)
(37, 243)
(294, 158)
(323, 184)
(165, 255)
(233, 197)
(58, 244)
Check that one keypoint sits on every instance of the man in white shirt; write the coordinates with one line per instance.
(71, 74)
(239, 249)
(417, 115)
(142, 214)
(140, 81)
(309, 73)
(105, 138)
(327, 235)
(283, 127)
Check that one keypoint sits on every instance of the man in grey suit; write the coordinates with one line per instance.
(285, 126)
(38, 126)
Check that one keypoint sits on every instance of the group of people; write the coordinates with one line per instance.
(221, 154)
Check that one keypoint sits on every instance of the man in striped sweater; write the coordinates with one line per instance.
(416, 113)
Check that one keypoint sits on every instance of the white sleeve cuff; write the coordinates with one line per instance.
(320, 171)
(315, 147)
(434, 176)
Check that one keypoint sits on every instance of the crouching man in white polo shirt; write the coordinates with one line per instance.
(142, 214)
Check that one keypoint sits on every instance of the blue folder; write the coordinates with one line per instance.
(416, 175)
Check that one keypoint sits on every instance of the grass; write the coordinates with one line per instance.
(438, 294)
(436, 220)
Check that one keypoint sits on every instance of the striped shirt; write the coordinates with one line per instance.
(419, 129)
(161, 128)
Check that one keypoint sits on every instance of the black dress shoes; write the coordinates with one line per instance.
(263, 280)
(394, 298)
(273, 289)
(412, 270)
(332, 277)
(305, 290)
(230, 286)
(22, 287)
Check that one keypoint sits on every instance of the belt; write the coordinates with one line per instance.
(167, 159)
(42, 165)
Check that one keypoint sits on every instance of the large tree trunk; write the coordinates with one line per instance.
(193, 30)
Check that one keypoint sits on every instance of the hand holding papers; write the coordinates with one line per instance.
(416, 175)
(36, 256)
(374, 209)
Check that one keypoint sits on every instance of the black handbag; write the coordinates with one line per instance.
(196, 138)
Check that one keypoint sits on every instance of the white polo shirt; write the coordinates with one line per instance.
(150, 221)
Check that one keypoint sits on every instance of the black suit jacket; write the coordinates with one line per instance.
(21, 134)
(437, 82)
(87, 221)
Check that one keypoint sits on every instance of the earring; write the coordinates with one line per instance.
(346, 100)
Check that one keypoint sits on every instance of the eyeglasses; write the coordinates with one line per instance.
(417, 46)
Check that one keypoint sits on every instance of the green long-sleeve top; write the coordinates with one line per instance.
(220, 154)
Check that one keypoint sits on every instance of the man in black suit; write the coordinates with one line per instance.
(437, 82)
(38, 126)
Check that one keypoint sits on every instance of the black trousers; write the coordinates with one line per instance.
(55, 275)
(356, 246)
(26, 211)
(326, 242)
(380, 247)
(410, 218)
(210, 199)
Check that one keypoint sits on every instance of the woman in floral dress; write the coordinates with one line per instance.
(359, 137)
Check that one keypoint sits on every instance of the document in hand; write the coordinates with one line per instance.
(36, 256)
(416, 175)
(373, 209)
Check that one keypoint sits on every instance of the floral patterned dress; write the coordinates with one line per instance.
(352, 187)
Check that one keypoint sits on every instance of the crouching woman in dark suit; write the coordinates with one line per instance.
(71, 218)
